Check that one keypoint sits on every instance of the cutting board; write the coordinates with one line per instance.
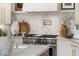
(63, 30)
(24, 27)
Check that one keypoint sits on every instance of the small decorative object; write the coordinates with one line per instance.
(67, 6)
(18, 6)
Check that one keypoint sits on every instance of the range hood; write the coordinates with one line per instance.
(38, 7)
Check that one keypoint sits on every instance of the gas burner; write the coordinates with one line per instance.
(43, 39)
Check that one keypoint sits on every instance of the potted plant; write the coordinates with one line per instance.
(3, 33)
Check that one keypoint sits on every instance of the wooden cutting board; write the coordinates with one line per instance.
(63, 30)
(24, 27)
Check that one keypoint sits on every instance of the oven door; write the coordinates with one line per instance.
(52, 51)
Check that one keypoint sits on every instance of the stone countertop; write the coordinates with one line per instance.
(74, 40)
(31, 50)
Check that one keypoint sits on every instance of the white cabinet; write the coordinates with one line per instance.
(77, 13)
(67, 48)
(61, 46)
(38, 7)
(5, 13)
(72, 49)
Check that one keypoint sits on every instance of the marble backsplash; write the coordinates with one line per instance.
(36, 21)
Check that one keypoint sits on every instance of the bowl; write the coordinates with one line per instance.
(69, 36)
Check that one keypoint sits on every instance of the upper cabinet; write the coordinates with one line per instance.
(39, 7)
(34, 7)
(77, 13)
(5, 13)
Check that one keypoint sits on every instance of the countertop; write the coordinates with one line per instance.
(31, 50)
(74, 40)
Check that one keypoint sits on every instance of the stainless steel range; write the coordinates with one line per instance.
(43, 40)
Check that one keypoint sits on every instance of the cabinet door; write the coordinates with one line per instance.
(74, 50)
(61, 47)
(71, 49)
(1, 13)
(28, 7)
(67, 48)
(7, 13)
(77, 13)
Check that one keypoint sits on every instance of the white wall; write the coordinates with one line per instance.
(35, 21)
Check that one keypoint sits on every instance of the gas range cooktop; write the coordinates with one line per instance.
(49, 40)
(41, 36)
(42, 39)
